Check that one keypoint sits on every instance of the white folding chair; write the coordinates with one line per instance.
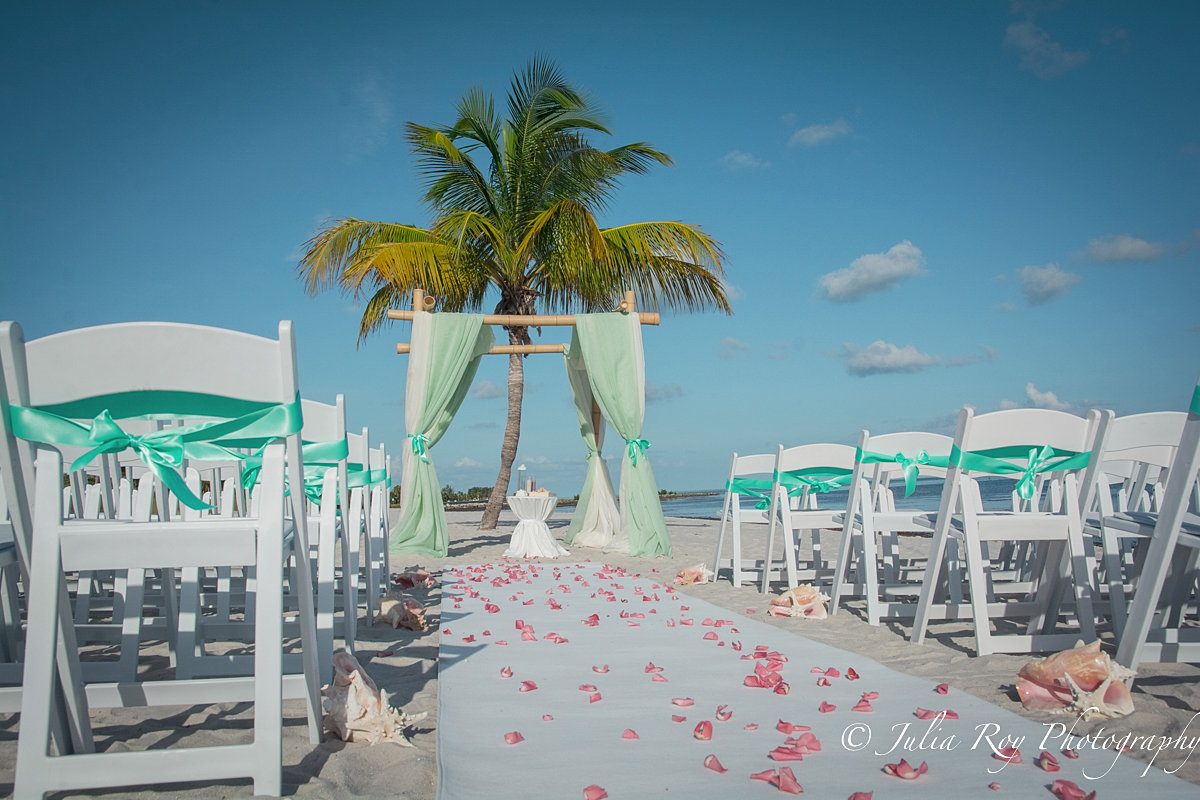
(1137, 453)
(749, 482)
(800, 476)
(77, 387)
(1025, 443)
(871, 511)
(1174, 533)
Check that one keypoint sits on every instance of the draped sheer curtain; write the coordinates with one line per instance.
(445, 354)
(611, 347)
(596, 519)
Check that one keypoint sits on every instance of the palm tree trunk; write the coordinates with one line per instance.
(512, 431)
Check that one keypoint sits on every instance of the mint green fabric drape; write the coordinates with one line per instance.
(611, 346)
(445, 354)
(596, 519)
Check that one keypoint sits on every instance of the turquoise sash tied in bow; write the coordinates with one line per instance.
(419, 440)
(361, 476)
(754, 487)
(911, 466)
(634, 446)
(823, 479)
(1195, 406)
(315, 454)
(164, 451)
(1037, 460)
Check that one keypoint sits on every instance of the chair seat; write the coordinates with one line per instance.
(1141, 523)
(906, 521)
(1015, 526)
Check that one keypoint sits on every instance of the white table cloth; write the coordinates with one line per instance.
(531, 538)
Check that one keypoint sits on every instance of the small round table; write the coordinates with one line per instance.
(531, 538)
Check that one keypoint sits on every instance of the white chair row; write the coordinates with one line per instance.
(187, 416)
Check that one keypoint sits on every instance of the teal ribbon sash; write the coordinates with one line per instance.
(636, 445)
(1195, 406)
(910, 466)
(1037, 460)
(822, 479)
(753, 487)
(163, 451)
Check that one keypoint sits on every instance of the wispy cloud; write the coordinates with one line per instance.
(369, 119)
(467, 463)
(986, 354)
(1006, 307)
(816, 134)
(1044, 399)
(1040, 54)
(737, 160)
(779, 351)
(1123, 248)
(662, 392)
(1043, 284)
(485, 390)
(731, 348)
(874, 272)
(880, 357)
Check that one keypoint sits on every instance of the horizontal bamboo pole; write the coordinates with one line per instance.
(503, 349)
(525, 320)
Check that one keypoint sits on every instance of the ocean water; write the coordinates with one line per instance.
(996, 494)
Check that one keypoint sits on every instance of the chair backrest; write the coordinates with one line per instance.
(883, 458)
(749, 476)
(809, 469)
(325, 425)
(130, 370)
(1137, 451)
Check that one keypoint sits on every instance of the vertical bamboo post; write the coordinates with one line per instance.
(418, 300)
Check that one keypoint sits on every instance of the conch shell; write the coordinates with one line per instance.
(700, 573)
(803, 601)
(357, 711)
(401, 611)
(1082, 681)
(413, 578)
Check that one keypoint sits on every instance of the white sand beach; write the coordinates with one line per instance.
(1166, 696)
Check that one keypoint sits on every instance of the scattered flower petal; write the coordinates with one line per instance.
(825, 708)
(1046, 762)
(703, 731)
(600, 670)
(1010, 754)
(1068, 790)
(851, 675)
(678, 718)
(905, 770)
(712, 763)
(629, 733)
(595, 698)
(942, 688)
(547, 717)
(927, 714)
(995, 787)
(1071, 753)
(683, 702)
(788, 782)
(514, 737)
(594, 792)
(768, 775)
(722, 714)
(506, 672)
(862, 705)
(527, 686)
(587, 687)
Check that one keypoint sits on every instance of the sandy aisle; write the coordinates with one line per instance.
(1166, 696)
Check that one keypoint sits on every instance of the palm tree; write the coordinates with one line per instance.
(514, 206)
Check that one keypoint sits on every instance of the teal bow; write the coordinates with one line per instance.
(754, 487)
(634, 446)
(910, 466)
(419, 441)
(162, 451)
(1037, 460)
(822, 479)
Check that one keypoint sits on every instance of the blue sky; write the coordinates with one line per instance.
(923, 205)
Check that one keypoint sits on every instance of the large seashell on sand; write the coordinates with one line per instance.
(414, 578)
(803, 601)
(401, 611)
(358, 711)
(699, 573)
(1083, 681)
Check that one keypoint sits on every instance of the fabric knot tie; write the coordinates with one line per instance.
(911, 467)
(636, 445)
(419, 441)
(161, 451)
(1037, 460)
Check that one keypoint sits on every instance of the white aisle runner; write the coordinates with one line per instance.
(577, 660)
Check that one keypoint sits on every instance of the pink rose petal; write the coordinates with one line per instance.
(712, 763)
(600, 670)
(1068, 790)
(786, 754)
(995, 787)
(650, 668)
(703, 731)
(710, 636)
(825, 708)
(788, 783)
(587, 687)
(782, 688)
(1046, 762)
(942, 688)
(822, 681)
(491, 608)
(722, 714)
(1010, 754)
(927, 714)
(851, 675)
(768, 775)
(658, 678)
(870, 696)
(594, 792)
(683, 702)
(527, 686)
(905, 770)
(629, 733)
(862, 796)
(1071, 753)
(832, 672)
(862, 705)
(506, 672)
(514, 737)
(595, 698)
(547, 717)
(750, 726)
(788, 728)
(678, 718)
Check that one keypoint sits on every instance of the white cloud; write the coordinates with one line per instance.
(732, 348)
(1044, 399)
(874, 272)
(1040, 54)
(370, 118)
(816, 134)
(1123, 248)
(1005, 405)
(1043, 284)
(737, 160)
(662, 392)
(485, 390)
(467, 463)
(881, 356)
(733, 293)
